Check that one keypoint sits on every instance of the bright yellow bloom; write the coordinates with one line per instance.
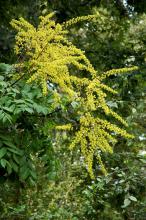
(48, 57)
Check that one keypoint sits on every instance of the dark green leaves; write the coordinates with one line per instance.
(3, 151)
(5, 68)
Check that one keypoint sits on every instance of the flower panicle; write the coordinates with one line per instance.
(49, 56)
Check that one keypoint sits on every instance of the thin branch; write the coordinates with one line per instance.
(17, 80)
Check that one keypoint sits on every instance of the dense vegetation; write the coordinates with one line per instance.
(64, 150)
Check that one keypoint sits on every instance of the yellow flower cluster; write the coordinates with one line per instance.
(94, 136)
(48, 57)
(64, 127)
(81, 19)
(49, 53)
(118, 71)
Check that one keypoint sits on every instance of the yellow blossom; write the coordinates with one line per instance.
(64, 127)
(49, 56)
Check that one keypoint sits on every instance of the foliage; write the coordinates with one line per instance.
(40, 177)
(16, 138)
(117, 196)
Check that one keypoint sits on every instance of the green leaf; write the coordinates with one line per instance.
(143, 160)
(3, 151)
(112, 104)
(126, 203)
(24, 173)
(16, 151)
(9, 144)
(3, 84)
(15, 90)
(7, 109)
(1, 114)
(20, 101)
(30, 110)
(1, 78)
(12, 107)
(74, 104)
(5, 137)
(9, 168)
(5, 68)
(32, 182)
(13, 148)
(16, 158)
(17, 111)
(6, 118)
(40, 109)
(3, 162)
(14, 166)
(132, 198)
(33, 174)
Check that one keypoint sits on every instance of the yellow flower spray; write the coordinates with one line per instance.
(48, 56)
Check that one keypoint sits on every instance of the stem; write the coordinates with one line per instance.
(17, 80)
